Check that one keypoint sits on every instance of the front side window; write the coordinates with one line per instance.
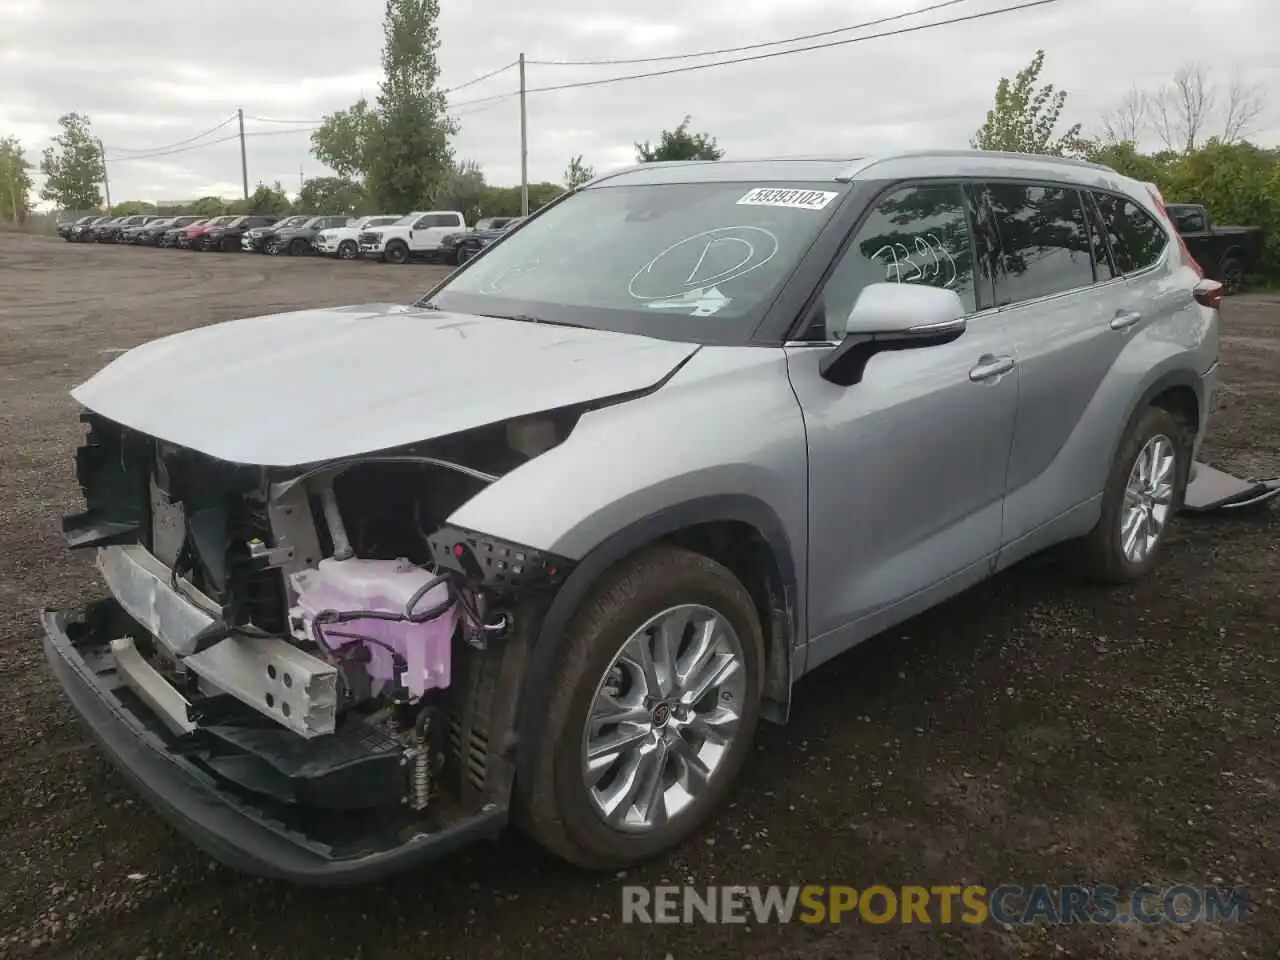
(1045, 245)
(699, 262)
(1137, 241)
(915, 234)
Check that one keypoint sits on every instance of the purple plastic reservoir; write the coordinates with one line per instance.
(384, 586)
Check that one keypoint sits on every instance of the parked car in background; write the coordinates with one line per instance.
(1224, 253)
(344, 242)
(129, 234)
(227, 237)
(298, 240)
(150, 234)
(450, 242)
(169, 236)
(79, 230)
(475, 241)
(66, 226)
(744, 416)
(416, 235)
(111, 232)
(89, 233)
(188, 238)
(254, 240)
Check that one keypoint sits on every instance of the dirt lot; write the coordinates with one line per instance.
(1031, 731)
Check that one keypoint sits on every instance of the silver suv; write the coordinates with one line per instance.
(551, 540)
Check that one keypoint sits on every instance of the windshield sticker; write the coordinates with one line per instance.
(795, 199)
(703, 260)
(927, 263)
(699, 303)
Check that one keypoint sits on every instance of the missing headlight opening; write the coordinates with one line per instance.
(318, 637)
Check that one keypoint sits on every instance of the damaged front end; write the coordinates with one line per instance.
(307, 669)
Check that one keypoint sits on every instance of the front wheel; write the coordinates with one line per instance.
(1232, 272)
(652, 712)
(396, 252)
(464, 254)
(347, 250)
(1144, 491)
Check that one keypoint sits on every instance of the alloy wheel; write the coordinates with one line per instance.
(663, 718)
(1148, 499)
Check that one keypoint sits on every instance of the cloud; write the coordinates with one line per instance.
(153, 72)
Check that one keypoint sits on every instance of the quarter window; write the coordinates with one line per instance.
(1045, 247)
(1136, 239)
(914, 235)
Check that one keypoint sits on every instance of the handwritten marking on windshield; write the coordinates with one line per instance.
(709, 249)
(929, 250)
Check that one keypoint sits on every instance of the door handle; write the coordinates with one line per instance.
(1125, 319)
(990, 367)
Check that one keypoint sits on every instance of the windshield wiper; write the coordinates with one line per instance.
(530, 318)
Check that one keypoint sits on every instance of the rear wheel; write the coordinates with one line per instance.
(1144, 491)
(347, 250)
(1232, 272)
(396, 252)
(652, 713)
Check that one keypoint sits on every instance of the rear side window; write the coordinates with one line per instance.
(1136, 239)
(1045, 247)
(441, 220)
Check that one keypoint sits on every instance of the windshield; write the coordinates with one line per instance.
(699, 262)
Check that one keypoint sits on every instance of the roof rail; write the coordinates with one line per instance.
(863, 164)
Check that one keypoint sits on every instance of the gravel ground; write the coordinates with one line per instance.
(1031, 731)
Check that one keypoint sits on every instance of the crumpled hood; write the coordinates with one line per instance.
(299, 388)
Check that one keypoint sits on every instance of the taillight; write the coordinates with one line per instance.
(1209, 293)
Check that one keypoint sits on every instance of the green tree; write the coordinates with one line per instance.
(399, 146)
(73, 168)
(412, 158)
(679, 144)
(1025, 117)
(15, 181)
(131, 208)
(332, 195)
(577, 173)
(268, 201)
(344, 141)
(463, 190)
(208, 207)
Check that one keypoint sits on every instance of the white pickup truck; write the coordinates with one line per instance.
(416, 235)
(344, 242)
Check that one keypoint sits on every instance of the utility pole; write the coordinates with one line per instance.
(302, 182)
(106, 181)
(524, 147)
(13, 194)
(244, 157)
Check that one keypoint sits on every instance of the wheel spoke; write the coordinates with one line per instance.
(694, 774)
(639, 658)
(713, 676)
(617, 799)
(700, 651)
(649, 800)
(1164, 467)
(1132, 534)
(666, 646)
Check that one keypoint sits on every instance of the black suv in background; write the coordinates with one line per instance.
(452, 242)
(297, 240)
(110, 232)
(254, 240)
(1225, 254)
(151, 234)
(78, 230)
(228, 237)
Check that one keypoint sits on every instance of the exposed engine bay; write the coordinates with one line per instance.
(316, 636)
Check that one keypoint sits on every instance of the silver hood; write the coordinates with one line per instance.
(299, 388)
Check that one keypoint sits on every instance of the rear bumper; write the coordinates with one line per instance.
(222, 822)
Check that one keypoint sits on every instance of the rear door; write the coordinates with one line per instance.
(434, 228)
(907, 467)
(1071, 313)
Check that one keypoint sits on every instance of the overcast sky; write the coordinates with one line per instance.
(150, 73)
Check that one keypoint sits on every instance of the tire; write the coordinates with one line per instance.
(230, 244)
(1232, 272)
(297, 247)
(450, 257)
(347, 250)
(464, 254)
(1101, 555)
(272, 248)
(556, 807)
(396, 252)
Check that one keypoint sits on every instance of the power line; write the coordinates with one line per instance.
(617, 62)
(198, 136)
(481, 78)
(767, 56)
(211, 143)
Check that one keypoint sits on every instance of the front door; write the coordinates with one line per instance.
(907, 467)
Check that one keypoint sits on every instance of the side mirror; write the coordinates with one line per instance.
(892, 316)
